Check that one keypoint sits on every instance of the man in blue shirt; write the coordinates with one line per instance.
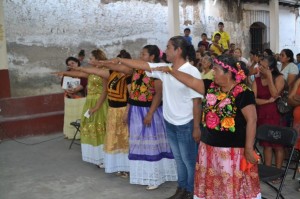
(187, 36)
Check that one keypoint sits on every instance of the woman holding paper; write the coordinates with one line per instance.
(74, 100)
(93, 120)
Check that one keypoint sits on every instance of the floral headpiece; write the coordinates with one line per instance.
(239, 74)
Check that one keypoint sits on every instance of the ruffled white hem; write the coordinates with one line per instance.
(152, 173)
(257, 197)
(92, 154)
(116, 162)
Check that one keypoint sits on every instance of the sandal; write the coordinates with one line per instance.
(125, 175)
(149, 188)
(101, 166)
(119, 173)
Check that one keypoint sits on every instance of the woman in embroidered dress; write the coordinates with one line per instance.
(228, 133)
(93, 128)
(267, 87)
(116, 138)
(150, 158)
(74, 101)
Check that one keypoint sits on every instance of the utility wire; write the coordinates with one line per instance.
(20, 142)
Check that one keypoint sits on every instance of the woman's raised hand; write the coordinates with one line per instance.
(103, 63)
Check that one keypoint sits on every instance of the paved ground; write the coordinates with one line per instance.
(49, 170)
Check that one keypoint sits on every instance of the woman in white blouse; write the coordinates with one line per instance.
(287, 67)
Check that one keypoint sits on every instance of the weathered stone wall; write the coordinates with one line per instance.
(41, 34)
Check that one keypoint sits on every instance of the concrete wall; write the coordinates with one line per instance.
(289, 29)
(41, 34)
(203, 17)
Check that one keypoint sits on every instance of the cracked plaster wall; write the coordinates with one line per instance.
(41, 34)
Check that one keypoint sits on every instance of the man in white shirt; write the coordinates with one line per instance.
(181, 114)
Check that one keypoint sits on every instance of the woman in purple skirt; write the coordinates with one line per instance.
(150, 158)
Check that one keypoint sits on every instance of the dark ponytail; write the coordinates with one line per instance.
(153, 50)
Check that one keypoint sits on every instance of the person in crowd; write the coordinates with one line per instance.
(198, 60)
(268, 52)
(116, 138)
(216, 46)
(251, 59)
(191, 56)
(201, 49)
(238, 56)
(203, 44)
(93, 120)
(224, 36)
(267, 87)
(81, 57)
(150, 157)
(298, 61)
(187, 36)
(294, 100)
(231, 48)
(207, 64)
(74, 101)
(287, 67)
(253, 65)
(213, 55)
(227, 134)
(182, 124)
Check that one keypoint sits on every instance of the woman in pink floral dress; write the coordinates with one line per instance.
(228, 133)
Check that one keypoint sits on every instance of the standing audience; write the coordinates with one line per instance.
(298, 61)
(187, 36)
(294, 100)
(287, 67)
(238, 56)
(216, 46)
(203, 42)
(267, 87)
(225, 37)
(206, 66)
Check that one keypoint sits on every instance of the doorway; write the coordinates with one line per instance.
(258, 37)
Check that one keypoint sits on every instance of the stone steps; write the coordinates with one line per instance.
(34, 115)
